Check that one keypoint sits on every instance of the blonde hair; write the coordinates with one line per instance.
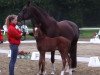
(9, 19)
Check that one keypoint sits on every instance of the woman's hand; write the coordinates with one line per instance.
(21, 34)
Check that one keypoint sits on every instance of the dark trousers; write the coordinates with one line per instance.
(14, 52)
(1, 42)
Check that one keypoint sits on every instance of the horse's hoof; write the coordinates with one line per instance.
(73, 69)
(70, 72)
(38, 74)
(53, 67)
(52, 73)
(44, 73)
(62, 73)
(67, 70)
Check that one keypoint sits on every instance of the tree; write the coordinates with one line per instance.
(82, 12)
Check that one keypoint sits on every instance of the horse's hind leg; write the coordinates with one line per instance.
(53, 60)
(69, 65)
(63, 56)
(68, 60)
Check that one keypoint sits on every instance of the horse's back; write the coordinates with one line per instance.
(65, 29)
(75, 28)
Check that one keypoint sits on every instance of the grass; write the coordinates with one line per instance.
(87, 33)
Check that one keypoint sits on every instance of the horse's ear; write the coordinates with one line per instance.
(28, 2)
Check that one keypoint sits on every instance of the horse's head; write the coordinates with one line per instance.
(37, 32)
(25, 13)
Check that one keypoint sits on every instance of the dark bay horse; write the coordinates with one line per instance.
(53, 28)
(47, 44)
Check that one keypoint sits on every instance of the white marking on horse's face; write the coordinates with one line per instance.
(36, 31)
(36, 28)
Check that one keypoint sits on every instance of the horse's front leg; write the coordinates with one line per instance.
(42, 56)
(42, 64)
(53, 60)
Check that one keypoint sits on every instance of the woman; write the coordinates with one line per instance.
(14, 37)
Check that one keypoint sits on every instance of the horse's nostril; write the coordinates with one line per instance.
(35, 35)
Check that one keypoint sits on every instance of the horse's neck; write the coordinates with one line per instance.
(48, 24)
(38, 16)
(41, 16)
(40, 37)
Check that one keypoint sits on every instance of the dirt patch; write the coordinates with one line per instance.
(28, 67)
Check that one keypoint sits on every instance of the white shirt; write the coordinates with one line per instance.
(25, 28)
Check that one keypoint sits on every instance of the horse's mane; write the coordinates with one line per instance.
(43, 17)
(42, 10)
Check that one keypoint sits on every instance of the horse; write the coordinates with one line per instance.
(53, 28)
(48, 44)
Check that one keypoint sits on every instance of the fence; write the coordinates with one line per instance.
(79, 29)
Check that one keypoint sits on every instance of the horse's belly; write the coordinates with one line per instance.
(50, 48)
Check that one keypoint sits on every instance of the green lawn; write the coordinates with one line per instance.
(87, 33)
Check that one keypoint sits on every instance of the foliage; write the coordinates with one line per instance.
(82, 12)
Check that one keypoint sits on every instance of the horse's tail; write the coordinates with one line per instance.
(73, 49)
(73, 53)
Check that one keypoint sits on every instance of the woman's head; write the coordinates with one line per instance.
(11, 19)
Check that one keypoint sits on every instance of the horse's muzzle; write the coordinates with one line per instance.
(19, 18)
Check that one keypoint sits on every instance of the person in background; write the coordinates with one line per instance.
(5, 28)
(24, 29)
(14, 36)
(1, 37)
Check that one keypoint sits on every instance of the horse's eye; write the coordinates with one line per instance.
(23, 11)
